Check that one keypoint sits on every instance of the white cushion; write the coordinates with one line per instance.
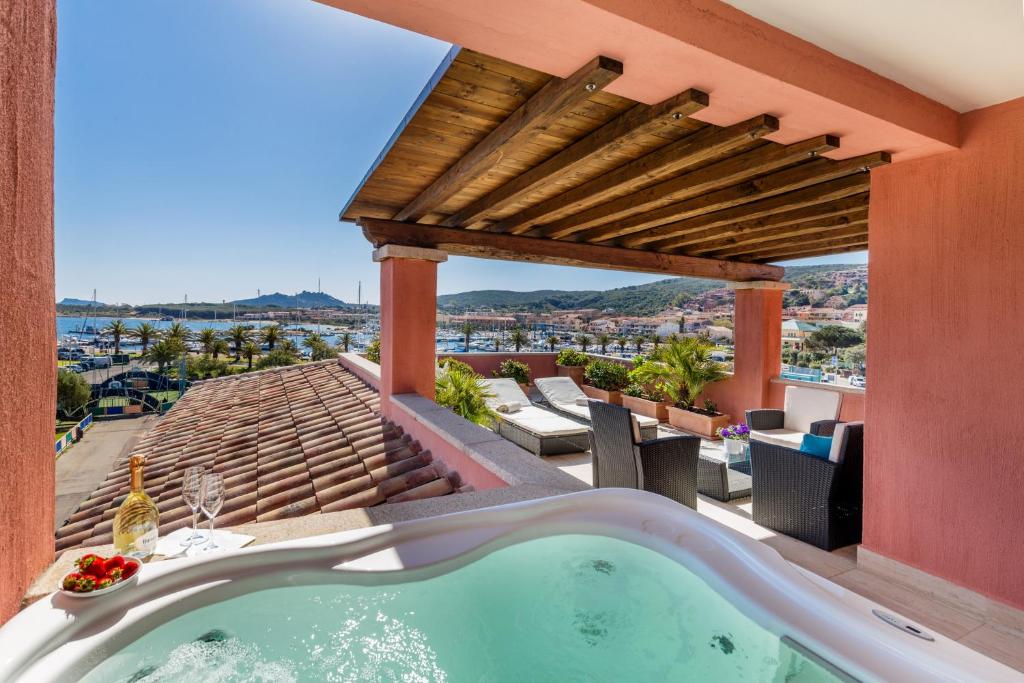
(543, 422)
(582, 401)
(559, 391)
(804, 405)
(788, 438)
(505, 391)
(635, 423)
(836, 454)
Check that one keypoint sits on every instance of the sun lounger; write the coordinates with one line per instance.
(539, 431)
(568, 399)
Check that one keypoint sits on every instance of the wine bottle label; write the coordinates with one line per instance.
(145, 540)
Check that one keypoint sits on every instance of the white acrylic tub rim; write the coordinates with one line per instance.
(59, 638)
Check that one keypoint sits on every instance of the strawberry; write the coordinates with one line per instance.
(86, 584)
(105, 582)
(113, 562)
(130, 567)
(91, 564)
(70, 582)
(115, 574)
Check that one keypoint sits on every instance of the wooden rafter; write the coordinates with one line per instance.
(674, 235)
(806, 250)
(640, 120)
(840, 226)
(817, 214)
(705, 145)
(484, 244)
(549, 104)
(659, 224)
(716, 176)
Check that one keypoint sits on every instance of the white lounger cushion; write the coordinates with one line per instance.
(804, 405)
(562, 393)
(530, 417)
(788, 438)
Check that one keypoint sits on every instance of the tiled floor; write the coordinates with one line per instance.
(993, 639)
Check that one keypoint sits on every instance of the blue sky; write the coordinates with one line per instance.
(207, 147)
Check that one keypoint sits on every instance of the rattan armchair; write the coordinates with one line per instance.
(811, 499)
(664, 466)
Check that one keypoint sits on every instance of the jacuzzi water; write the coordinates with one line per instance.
(560, 608)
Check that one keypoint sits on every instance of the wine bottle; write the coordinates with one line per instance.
(136, 521)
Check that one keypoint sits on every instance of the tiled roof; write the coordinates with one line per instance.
(290, 441)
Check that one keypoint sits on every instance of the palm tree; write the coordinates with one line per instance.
(145, 333)
(207, 337)
(177, 331)
(467, 332)
(465, 394)
(117, 329)
(552, 342)
(603, 340)
(219, 346)
(317, 345)
(655, 340)
(249, 350)
(517, 338)
(239, 334)
(497, 343)
(639, 341)
(684, 367)
(270, 335)
(163, 352)
(584, 341)
(346, 341)
(622, 341)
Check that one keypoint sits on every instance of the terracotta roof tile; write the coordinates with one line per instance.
(289, 441)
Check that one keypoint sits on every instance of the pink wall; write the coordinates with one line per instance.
(541, 364)
(944, 468)
(27, 322)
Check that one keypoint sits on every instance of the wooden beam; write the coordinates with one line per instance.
(837, 246)
(704, 145)
(609, 138)
(816, 213)
(674, 234)
(538, 250)
(656, 225)
(549, 104)
(751, 240)
(821, 233)
(718, 175)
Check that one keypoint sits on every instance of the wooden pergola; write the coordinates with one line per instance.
(500, 161)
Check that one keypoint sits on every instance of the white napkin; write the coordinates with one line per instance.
(170, 545)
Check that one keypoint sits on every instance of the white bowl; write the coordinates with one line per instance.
(102, 591)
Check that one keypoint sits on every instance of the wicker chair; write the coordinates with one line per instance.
(664, 466)
(814, 500)
(806, 411)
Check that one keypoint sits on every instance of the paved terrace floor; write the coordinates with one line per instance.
(1000, 641)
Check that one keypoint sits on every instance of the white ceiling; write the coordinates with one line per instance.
(965, 54)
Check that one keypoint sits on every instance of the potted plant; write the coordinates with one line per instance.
(684, 368)
(515, 369)
(736, 438)
(571, 363)
(644, 401)
(605, 380)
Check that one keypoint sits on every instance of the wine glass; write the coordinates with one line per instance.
(211, 501)
(191, 491)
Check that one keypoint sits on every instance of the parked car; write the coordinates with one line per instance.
(74, 368)
(87, 363)
(102, 362)
(858, 381)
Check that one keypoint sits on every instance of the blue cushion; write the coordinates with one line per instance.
(818, 446)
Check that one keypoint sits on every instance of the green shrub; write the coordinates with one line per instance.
(73, 392)
(276, 358)
(514, 369)
(464, 394)
(572, 357)
(373, 351)
(607, 375)
(454, 364)
(634, 390)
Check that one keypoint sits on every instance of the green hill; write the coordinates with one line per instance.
(636, 300)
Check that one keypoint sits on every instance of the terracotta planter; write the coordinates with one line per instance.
(641, 406)
(602, 395)
(525, 388)
(696, 423)
(573, 371)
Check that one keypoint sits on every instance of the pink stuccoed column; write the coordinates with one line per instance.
(28, 339)
(408, 320)
(757, 336)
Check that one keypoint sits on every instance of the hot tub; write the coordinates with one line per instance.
(601, 585)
